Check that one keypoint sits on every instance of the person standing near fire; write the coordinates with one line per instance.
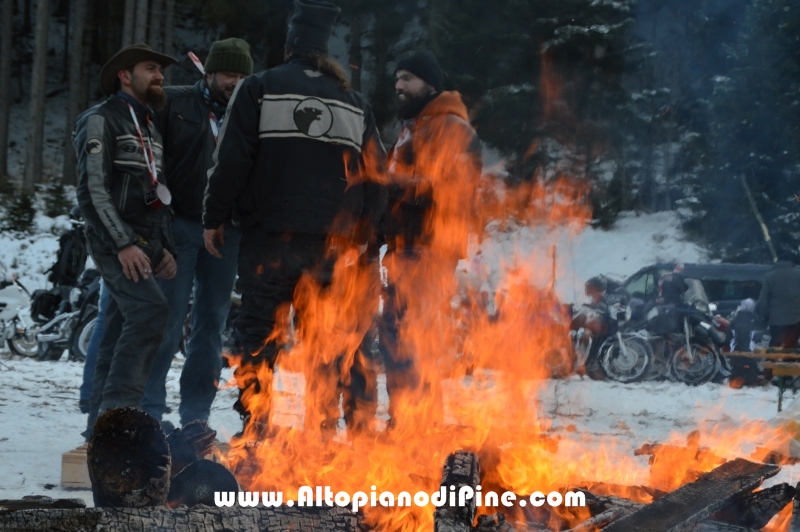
(124, 200)
(430, 117)
(190, 124)
(281, 164)
(779, 304)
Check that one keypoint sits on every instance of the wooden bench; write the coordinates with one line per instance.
(784, 364)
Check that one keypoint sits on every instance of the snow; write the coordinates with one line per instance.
(40, 419)
(636, 241)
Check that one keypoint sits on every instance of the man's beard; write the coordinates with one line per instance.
(219, 93)
(155, 97)
(413, 105)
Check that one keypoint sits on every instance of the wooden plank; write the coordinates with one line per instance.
(762, 355)
(782, 368)
(681, 509)
(778, 350)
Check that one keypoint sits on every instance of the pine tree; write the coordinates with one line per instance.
(20, 213)
(33, 156)
(56, 201)
(756, 139)
(6, 35)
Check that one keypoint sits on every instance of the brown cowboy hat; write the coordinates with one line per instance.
(129, 56)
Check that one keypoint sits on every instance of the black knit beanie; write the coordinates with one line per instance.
(311, 26)
(423, 65)
(230, 55)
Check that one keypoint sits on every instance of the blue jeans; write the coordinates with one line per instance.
(212, 280)
(94, 344)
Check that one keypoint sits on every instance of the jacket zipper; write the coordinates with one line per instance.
(124, 199)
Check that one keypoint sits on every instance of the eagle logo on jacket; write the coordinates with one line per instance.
(93, 146)
(312, 117)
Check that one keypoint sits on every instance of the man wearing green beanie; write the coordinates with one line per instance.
(190, 125)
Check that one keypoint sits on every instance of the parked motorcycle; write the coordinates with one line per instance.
(686, 343)
(71, 327)
(15, 329)
(57, 310)
(602, 350)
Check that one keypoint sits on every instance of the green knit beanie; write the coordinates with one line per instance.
(230, 55)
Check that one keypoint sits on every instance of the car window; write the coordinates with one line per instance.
(642, 286)
(721, 290)
(651, 288)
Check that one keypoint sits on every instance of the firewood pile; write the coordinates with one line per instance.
(137, 487)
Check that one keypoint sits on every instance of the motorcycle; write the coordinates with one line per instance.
(15, 329)
(71, 327)
(685, 340)
(58, 310)
(603, 347)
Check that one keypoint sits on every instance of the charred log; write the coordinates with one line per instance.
(715, 526)
(460, 469)
(34, 502)
(129, 460)
(795, 523)
(755, 510)
(685, 507)
(165, 520)
(197, 483)
(494, 523)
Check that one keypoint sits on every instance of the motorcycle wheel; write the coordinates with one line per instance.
(628, 364)
(25, 345)
(47, 351)
(695, 366)
(560, 362)
(81, 336)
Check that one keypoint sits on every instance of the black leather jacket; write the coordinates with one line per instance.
(113, 180)
(189, 143)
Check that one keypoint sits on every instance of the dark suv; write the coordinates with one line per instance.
(726, 284)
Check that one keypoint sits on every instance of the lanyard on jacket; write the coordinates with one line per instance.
(214, 126)
(150, 160)
(160, 195)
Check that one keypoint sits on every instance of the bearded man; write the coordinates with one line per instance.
(422, 175)
(124, 200)
(190, 125)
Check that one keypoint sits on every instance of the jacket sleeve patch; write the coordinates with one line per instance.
(94, 147)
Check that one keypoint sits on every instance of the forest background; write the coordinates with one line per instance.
(690, 106)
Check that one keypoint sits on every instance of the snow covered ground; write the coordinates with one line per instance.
(40, 420)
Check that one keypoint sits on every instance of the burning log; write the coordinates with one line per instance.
(460, 469)
(685, 507)
(795, 524)
(755, 510)
(494, 523)
(713, 526)
(165, 520)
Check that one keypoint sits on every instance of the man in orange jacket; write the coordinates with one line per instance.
(433, 168)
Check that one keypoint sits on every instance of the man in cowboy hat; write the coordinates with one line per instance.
(123, 197)
(189, 125)
(281, 163)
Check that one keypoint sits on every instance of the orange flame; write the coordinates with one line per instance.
(478, 371)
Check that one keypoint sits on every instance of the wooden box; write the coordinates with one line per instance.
(74, 471)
